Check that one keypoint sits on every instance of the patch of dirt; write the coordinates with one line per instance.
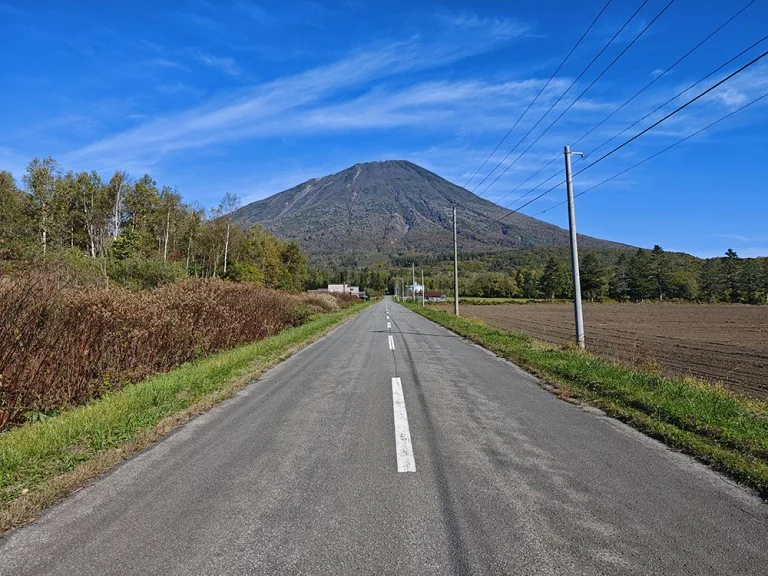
(726, 343)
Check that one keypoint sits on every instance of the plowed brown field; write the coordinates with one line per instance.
(725, 343)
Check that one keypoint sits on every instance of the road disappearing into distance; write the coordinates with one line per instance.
(392, 446)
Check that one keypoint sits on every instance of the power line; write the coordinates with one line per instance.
(658, 77)
(700, 80)
(603, 49)
(675, 111)
(594, 81)
(652, 156)
(710, 35)
(644, 131)
(541, 91)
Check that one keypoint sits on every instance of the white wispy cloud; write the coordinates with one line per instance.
(254, 11)
(738, 237)
(284, 102)
(167, 63)
(225, 64)
(500, 27)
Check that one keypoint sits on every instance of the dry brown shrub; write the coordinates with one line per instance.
(63, 345)
(324, 302)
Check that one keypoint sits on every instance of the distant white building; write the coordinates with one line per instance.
(344, 289)
(414, 288)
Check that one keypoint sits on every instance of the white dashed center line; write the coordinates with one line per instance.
(391, 342)
(404, 448)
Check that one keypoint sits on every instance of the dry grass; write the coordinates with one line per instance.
(42, 462)
(62, 345)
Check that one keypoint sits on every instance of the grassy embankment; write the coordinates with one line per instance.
(724, 430)
(41, 462)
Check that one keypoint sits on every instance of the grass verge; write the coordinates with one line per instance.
(724, 430)
(43, 461)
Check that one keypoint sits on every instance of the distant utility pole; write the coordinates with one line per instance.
(413, 279)
(574, 249)
(455, 268)
(423, 288)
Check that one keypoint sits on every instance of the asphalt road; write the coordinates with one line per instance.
(324, 467)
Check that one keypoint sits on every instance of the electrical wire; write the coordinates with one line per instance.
(675, 111)
(666, 71)
(662, 151)
(603, 49)
(644, 131)
(635, 95)
(541, 91)
(699, 81)
(594, 81)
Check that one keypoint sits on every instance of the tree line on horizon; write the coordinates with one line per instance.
(134, 232)
(137, 234)
(606, 274)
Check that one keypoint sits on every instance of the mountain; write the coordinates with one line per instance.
(374, 210)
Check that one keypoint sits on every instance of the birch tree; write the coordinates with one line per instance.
(40, 180)
(229, 204)
(118, 185)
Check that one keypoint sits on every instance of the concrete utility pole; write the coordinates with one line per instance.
(423, 288)
(574, 249)
(455, 268)
(413, 279)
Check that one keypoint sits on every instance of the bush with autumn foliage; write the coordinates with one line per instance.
(62, 344)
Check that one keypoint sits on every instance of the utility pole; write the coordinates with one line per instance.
(455, 268)
(423, 288)
(574, 249)
(413, 279)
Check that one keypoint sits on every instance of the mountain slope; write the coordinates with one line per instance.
(373, 210)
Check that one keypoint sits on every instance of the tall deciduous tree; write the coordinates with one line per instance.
(170, 203)
(229, 204)
(13, 223)
(40, 180)
(116, 193)
(94, 204)
(142, 201)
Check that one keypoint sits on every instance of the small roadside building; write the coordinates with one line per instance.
(434, 297)
(344, 289)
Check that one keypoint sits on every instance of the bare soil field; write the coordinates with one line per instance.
(725, 343)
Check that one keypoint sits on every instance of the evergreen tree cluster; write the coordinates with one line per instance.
(546, 273)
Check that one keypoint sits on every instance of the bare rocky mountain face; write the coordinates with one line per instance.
(374, 210)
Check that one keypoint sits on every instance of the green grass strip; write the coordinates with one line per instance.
(34, 453)
(725, 430)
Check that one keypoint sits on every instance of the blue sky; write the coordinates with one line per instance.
(256, 97)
